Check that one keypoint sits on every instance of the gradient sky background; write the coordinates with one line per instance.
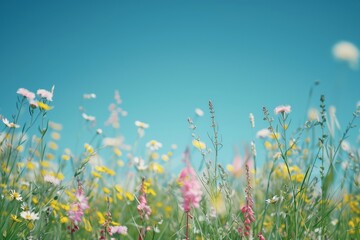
(168, 57)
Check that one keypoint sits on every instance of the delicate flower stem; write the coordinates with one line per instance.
(187, 226)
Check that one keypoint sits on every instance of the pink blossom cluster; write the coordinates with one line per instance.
(30, 96)
(143, 208)
(190, 188)
(247, 210)
(78, 207)
(248, 219)
(260, 236)
(115, 110)
(118, 229)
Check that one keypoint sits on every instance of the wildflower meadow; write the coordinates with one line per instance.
(292, 181)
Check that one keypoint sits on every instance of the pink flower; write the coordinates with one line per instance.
(247, 210)
(26, 93)
(46, 94)
(190, 188)
(75, 213)
(82, 199)
(118, 229)
(282, 109)
(143, 208)
(260, 236)
(77, 208)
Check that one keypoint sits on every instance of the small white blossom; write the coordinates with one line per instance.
(141, 124)
(15, 195)
(88, 117)
(252, 120)
(263, 133)
(89, 96)
(9, 124)
(29, 215)
(51, 179)
(272, 200)
(153, 145)
(199, 112)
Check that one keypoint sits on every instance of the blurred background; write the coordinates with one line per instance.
(167, 58)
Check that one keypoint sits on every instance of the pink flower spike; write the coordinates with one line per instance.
(190, 188)
(260, 236)
(78, 207)
(26, 93)
(282, 109)
(46, 94)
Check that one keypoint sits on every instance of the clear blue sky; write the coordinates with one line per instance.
(168, 57)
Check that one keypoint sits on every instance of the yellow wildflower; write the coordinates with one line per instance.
(96, 174)
(30, 165)
(168, 211)
(64, 219)
(44, 106)
(65, 157)
(151, 191)
(106, 190)
(60, 176)
(115, 223)
(15, 218)
(88, 148)
(119, 196)
(19, 148)
(154, 156)
(55, 126)
(274, 135)
(4, 168)
(117, 152)
(129, 196)
(267, 145)
(165, 157)
(55, 135)
(101, 217)
(87, 224)
(54, 204)
(119, 189)
(45, 164)
(66, 207)
(156, 168)
(199, 144)
(50, 156)
(35, 200)
(53, 145)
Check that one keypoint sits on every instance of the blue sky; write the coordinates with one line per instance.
(168, 57)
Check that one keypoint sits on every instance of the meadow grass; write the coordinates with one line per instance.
(304, 185)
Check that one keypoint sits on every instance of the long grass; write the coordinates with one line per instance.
(304, 184)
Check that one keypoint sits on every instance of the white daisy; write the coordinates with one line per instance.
(29, 215)
(9, 124)
(153, 145)
(15, 195)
